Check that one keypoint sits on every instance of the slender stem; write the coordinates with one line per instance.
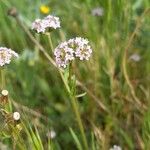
(79, 121)
(125, 55)
(2, 79)
(65, 83)
(14, 144)
(50, 41)
(73, 100)
(76, 111)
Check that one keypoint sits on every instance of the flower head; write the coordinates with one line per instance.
(49, 22)
(6, 55)
(115, 147)
(83, 49)
(135, 57)
(44, 9)
(63, 54)
(77, 47)
(38, 26)
(4, 92)
(51, 134)
(98, 11)
(16, 116)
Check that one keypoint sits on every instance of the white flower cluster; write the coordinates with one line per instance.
(116, 147)
(98, 11)
(51, 134)
(67, 51)
(135, 57)
(6, 55)
(49, 22)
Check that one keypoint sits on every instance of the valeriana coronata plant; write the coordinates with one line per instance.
(69, 50)
(6, 55)
(48, 23)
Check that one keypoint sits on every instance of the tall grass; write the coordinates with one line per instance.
(114, 102)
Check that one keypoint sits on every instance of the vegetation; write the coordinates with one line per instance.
(92, 104)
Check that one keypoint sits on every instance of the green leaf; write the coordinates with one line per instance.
(76, 139)
(81, 95)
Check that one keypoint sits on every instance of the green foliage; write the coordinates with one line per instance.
(34, 82)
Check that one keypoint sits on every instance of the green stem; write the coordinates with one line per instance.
(79, 121)
(73, 99)
(2, 79)
(138, 25)
(76, 111)
(50, 41)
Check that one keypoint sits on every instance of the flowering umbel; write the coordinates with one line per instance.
(69, 50)
(6, 55)
(49, 22)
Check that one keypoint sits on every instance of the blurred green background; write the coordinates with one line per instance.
(35, 83)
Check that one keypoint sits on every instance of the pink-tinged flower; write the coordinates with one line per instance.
(77, 47)
(38, 26)
(83, 50)
(49, 22)
(6, 55)
(63, 54)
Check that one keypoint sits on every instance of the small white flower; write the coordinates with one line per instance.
(4, 92)
(16, 116)
(6, 55)
(98, 11)
(135, 57)
(116, 147)
(51, 134)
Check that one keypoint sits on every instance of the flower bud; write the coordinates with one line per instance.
(12, 12)
(16, 116)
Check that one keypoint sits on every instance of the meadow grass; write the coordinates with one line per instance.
(113, 89)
